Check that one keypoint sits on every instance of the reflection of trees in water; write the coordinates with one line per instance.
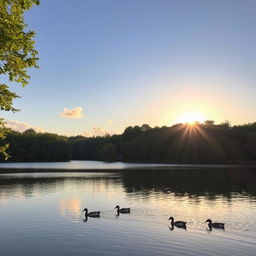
(11, 186)
(194, 183)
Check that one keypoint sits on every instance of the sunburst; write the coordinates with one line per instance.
(191, 118)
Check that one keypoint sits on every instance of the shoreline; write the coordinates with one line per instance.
(6, 170)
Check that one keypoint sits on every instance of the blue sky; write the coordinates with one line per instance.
(120, 63)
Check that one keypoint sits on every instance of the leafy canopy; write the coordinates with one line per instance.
(17, 53)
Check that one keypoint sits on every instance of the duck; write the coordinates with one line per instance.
(122, 210)
(178, 223)
(215, 224)
(91, 214)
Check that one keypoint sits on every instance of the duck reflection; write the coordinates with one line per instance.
(209, 229)
(171, 227)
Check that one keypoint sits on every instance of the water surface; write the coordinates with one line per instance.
(99, 165)
(40, 213)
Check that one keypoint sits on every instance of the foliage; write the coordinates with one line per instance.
(6, 98)
(30, 146)
(4, 147)
(17, 53)
(108, 152)
(201, 143)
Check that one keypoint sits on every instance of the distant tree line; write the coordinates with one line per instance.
(30, 146)
(180, 143)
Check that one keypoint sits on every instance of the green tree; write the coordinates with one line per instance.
(3, 146)
(17, 54)
(108, 152)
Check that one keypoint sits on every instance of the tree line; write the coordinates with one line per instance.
(31, 146)
(180, 143)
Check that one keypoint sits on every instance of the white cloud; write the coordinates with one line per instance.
(99, 131)
(22, 126)
(109, 122)
(74, 113)
(96, 131)
(87, 134)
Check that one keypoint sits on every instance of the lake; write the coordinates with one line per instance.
(41, 212)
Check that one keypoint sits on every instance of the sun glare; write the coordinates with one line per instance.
(191, 118)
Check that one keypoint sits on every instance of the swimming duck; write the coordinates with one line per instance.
(122, 210)
(178, 223)
(215, 224)
(91, 214)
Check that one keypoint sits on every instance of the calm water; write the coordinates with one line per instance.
(95, 165)
(40, 213)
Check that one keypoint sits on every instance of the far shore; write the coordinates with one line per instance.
(47, 170)
(9, 170)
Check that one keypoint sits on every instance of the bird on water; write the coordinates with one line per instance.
(91, 214)
(122, 210)
(178, 223)
(215, 224)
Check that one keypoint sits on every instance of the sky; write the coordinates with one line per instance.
(109, 64)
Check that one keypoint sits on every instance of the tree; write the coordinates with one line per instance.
(209, 122)
(30, 146)
(108, 152)
(3, 145)
(17, 53)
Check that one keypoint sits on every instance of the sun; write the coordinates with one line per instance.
(191, 118)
